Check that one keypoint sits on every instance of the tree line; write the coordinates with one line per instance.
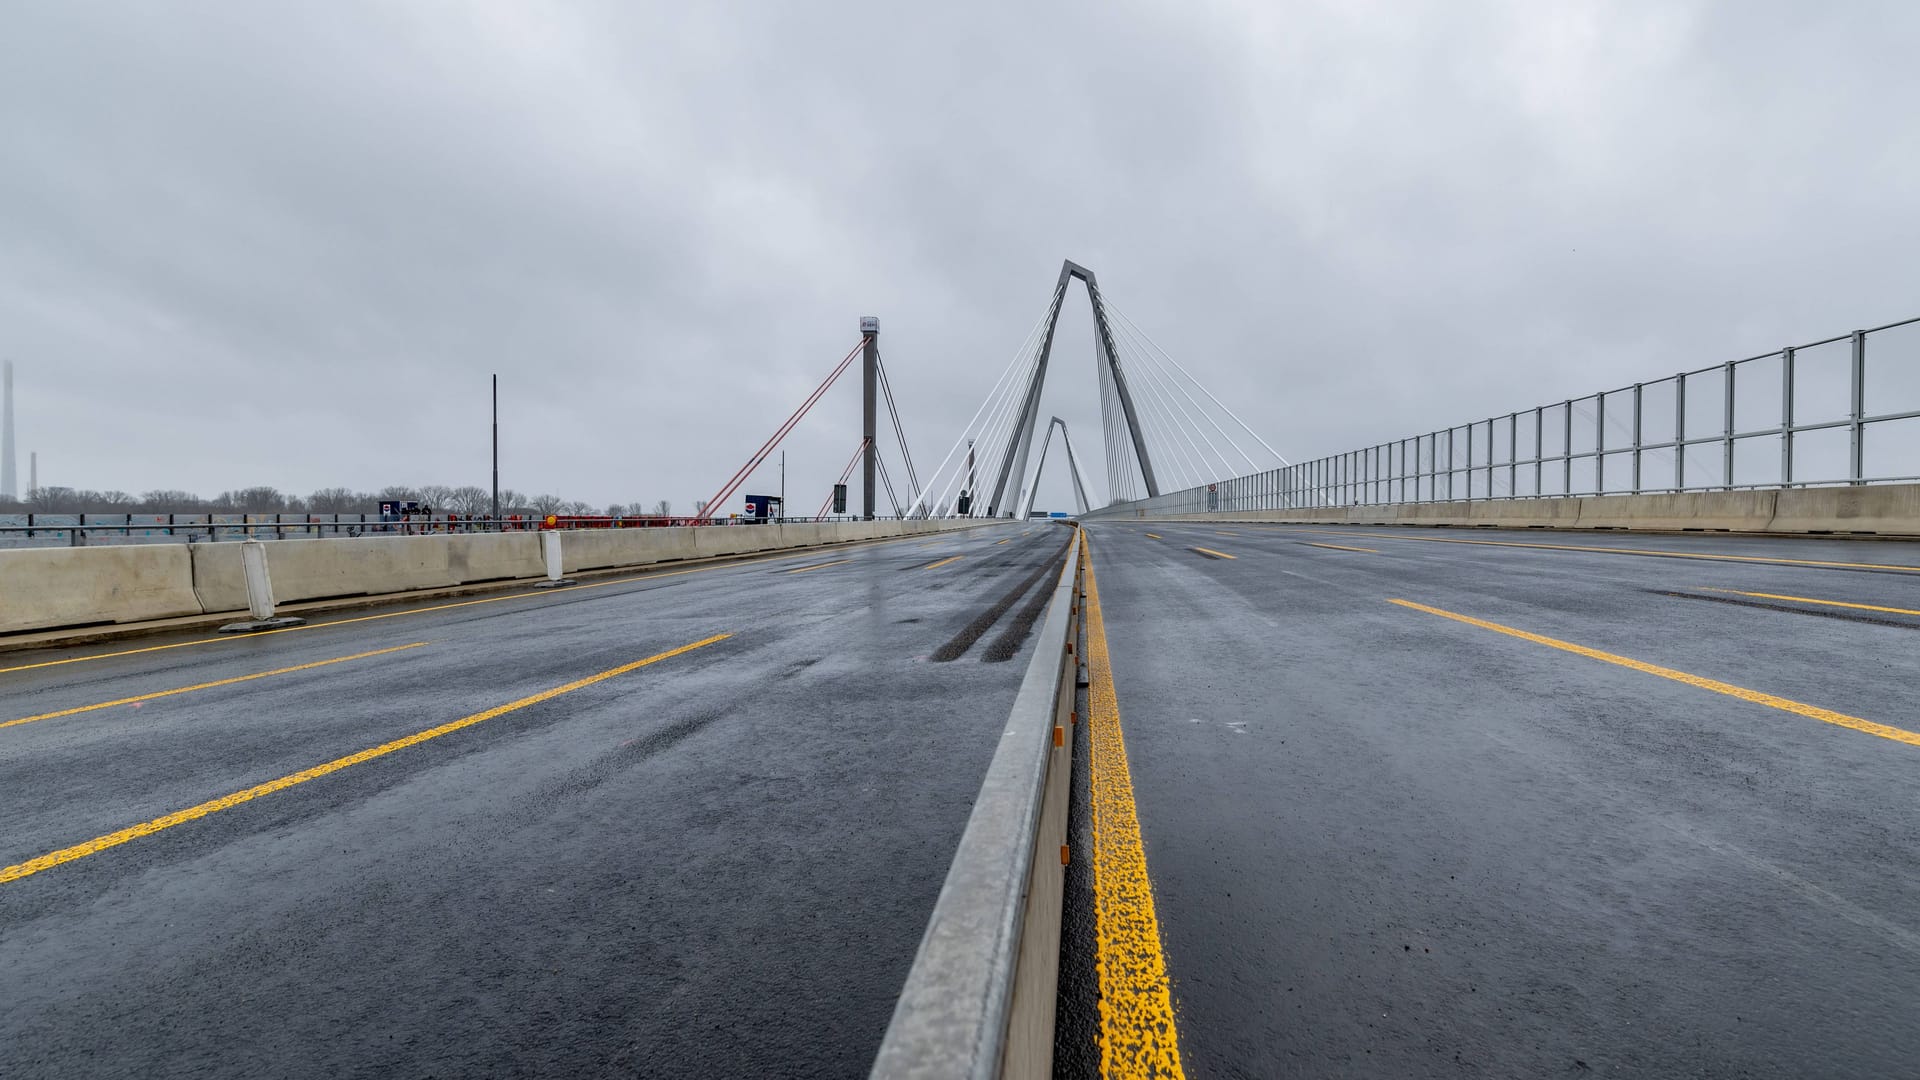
(469, 501)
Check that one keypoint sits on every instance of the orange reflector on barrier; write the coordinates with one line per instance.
(1059, 735)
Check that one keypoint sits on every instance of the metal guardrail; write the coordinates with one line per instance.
(80, 530)
(979, 1001)
(1691, 431)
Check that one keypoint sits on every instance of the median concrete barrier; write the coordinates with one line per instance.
(979, 1000)
(42, 588)
(1884, 509)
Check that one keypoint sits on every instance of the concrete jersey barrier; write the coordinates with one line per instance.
(51, 588)
(43, 587)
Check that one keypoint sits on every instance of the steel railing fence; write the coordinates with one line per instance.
(1769, 421)
(78, 530)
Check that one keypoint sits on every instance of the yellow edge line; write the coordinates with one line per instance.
(819, 566)
(208, 685)
(1156, 536)
(942, 562)
(193, 813)
(1216, 554)
(1137, 1032)
(625, 579)
(1339, 547)
(1822, 603)
(1651, 552)
(1757, 697)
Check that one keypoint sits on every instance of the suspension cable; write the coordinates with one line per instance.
(766, 448)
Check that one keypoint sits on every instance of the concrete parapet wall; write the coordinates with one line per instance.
(1889, 509)
(47, 587)
(1881, 509)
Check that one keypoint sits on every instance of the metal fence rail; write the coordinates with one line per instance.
(1842, 410)
(79, 530)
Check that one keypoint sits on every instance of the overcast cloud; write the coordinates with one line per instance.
(262, 243)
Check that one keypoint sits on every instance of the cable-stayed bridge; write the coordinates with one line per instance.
(1573, 740)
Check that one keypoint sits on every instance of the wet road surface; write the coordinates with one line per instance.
(689, 822)
(1558, 811)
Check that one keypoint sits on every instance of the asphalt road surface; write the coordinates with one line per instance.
(1472, 803)
(681, 823)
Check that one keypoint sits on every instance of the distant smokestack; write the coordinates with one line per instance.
(9, 469)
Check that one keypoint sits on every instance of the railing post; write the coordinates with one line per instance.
(1638, 397)
(1786, 416)
(1680, 432)
(1539, 449)
(1450, 453)
(1513, 455)
(1566, 451)
(1726, 435)
(1857, 449)
(1599, 444)
(1470, 428)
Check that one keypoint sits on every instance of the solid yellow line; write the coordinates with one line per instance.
(625, 579)
(1156, 536)
(1822, 603)
(208, 685)
(819, 566)
(1137, 1032)
(1757, 697)
(1216, 554)
(1339, 547)
(194, 813)
(943, 562)
(1653, 552)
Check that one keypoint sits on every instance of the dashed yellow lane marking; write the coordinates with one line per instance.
(1138, 1038)
(136, 699)
(1008, 540)
(1215, 554)
(1815, 712)
(819, 566)
(943, 562)
(1763, 560)
(1156, 536)
(194, 813)
(625, 579)
(1822, 603)
(1220, 533)
(1340, 547)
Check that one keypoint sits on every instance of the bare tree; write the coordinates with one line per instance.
(337, 500)
(547, 504)
(468, 501)
(582, 509)
(699, 506)
(663, 508)
(616, 510)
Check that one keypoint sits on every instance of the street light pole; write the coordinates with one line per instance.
(496, 451)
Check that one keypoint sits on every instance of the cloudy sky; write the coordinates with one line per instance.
(274, 243)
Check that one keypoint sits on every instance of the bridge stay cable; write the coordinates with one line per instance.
(1176, 391)
(924, 503)
(760, 456)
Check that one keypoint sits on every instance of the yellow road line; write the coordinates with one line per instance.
(1219, 533)
(1137, 1033)
(1757, 697)
(819, 566)
(1156, 536)
(1008, 540)
(1215, 554)
(1822, 603)
(943, 562)
(1652, 552)
(1339, 547)
(625, 579)
(194, 813)
(207, 685)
